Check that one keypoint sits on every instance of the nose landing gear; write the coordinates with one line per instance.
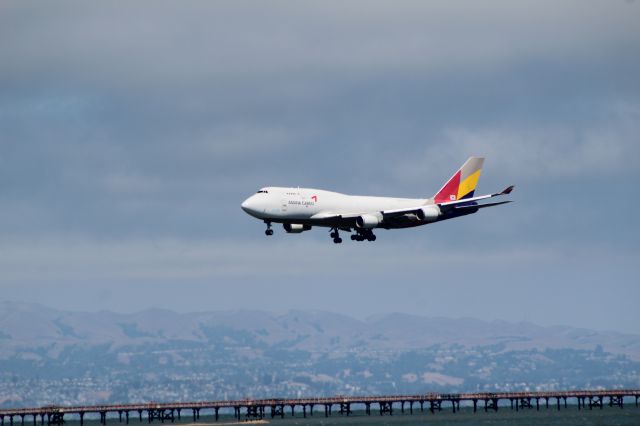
(269, 231)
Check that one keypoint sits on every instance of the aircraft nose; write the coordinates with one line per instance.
(245, 205)
(249, 205)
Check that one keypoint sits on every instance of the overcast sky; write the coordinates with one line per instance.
(130, 132)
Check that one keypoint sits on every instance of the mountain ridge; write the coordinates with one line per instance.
(24, 325)
(49, 356)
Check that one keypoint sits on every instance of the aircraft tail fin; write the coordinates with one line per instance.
(463, 183)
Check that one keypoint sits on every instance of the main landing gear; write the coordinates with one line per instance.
(360, 235)
(363, 235)
(269, 231)
(336, 236)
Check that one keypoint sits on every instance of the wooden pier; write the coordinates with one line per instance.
(327, 406)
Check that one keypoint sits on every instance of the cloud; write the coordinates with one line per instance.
(131, 132)
(161, 260)
(147, 45)
(455, 279)
(54, 260)
(541, 153)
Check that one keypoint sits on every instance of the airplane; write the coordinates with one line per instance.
(300, 209)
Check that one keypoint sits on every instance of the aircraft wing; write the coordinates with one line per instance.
(505, 191)
(353, 216)
(390, 214)
(479, 206)
(346, 220)
(330, 215)
(467, 203)
(338, 220)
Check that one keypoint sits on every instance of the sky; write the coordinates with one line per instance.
(130, 132)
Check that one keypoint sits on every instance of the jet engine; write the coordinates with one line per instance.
(367, 221)
(428, 213)
(295, 228)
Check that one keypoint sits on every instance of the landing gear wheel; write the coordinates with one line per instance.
(364, 235)
(335, 235)
(268, 232)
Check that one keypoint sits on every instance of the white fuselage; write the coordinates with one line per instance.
(302, 204)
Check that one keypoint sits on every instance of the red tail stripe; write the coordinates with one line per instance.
(451, 188)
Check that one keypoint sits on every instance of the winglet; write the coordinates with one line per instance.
(507, 190)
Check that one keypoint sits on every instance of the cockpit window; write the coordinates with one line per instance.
(262, 191)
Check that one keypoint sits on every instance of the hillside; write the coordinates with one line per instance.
(51, 356)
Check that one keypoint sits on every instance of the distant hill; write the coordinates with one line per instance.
(28, 326)
(51, 356)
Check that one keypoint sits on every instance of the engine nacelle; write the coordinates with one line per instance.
(367, 221)
(295, 228)
(428, 213)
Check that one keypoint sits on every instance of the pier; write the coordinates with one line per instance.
(326, 406)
